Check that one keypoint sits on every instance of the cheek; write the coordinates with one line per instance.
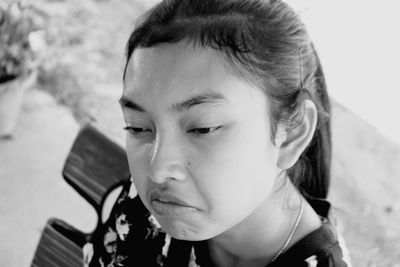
(137, 161)
(246, 151)
(238, 172)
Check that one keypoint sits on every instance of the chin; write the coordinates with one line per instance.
(190, 233)
(187, 237)
(187, 232)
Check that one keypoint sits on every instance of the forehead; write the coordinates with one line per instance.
(175, 71)
(169, 60)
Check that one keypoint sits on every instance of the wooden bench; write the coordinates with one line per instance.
(94, 167)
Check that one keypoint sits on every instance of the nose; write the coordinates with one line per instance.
(167, 159)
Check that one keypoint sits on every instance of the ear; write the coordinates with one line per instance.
(291, 142)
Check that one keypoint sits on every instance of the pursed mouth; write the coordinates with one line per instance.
(169, 202)
(169, 199)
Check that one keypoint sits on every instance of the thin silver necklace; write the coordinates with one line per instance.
(296, 224)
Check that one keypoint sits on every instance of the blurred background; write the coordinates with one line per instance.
(73, 75)
(359, 44)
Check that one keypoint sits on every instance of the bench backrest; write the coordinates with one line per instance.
(94, 167)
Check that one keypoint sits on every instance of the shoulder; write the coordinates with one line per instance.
(324, 247)
(327, 247)
(321, 248)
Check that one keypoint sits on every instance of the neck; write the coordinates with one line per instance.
(258, 239)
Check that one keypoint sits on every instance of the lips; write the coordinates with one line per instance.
(168, 199)
(165, 204)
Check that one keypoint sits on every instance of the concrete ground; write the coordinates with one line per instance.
(31, 185)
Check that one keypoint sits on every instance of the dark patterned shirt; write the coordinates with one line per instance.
(133, 237)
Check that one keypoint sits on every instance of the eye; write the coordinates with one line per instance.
(204, 130)
(136, 130)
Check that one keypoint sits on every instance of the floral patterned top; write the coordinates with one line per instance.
(133, 237)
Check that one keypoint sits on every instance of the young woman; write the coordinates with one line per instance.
(228, 142)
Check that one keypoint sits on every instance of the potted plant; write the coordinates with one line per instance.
(18, 61)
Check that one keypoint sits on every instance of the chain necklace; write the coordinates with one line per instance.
(296, 224)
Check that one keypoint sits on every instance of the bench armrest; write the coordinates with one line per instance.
(60, 245)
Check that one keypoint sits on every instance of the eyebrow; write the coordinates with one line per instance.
(127, 103)
(207, 98)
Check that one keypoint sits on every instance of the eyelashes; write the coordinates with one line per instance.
(136, 130)
(200, 131)
(204, 130)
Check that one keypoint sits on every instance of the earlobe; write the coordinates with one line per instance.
(296, 139)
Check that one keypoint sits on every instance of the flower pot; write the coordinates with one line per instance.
(11, 99)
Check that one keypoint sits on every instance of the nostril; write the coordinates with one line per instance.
(172, 172)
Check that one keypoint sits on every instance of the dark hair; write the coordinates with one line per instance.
(267, 43)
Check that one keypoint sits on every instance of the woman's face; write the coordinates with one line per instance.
(198, 140)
